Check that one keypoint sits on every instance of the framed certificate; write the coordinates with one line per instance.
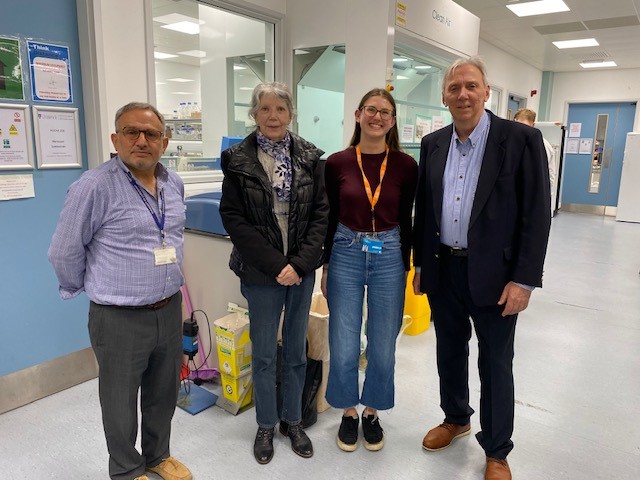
(16, 152)
(57, 131)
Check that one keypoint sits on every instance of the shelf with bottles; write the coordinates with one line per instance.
(182, 129)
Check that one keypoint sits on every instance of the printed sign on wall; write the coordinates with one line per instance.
(10, 69)
(50, 72)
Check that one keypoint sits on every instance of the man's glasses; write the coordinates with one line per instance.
(371, 111)
(132, 134)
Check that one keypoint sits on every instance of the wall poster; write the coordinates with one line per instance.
(50, 70)
(10, 69)
(57, 137)
(15, 137)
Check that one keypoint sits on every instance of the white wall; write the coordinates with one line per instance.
(512, 76)
(594, 86)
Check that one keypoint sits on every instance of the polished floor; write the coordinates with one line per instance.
(577, 371)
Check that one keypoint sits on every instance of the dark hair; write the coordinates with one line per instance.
(139, 106)
(392, 137)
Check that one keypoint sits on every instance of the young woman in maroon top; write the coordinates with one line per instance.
(370, 186)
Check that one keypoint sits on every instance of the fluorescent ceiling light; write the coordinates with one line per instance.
(179, 80)
(598, 64)
(239, 67)
(584, 42)
(194, 53)
(184, 27)
(175, 18)
(299, 51)
(162, 55)
(245, 88)
(422, 67)
(160, 83)
(182, 93)
(540, 7)
(400, 59)
(402, 77)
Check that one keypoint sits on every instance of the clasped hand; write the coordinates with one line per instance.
(288, 277)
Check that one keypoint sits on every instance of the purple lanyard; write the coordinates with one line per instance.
(159, 222)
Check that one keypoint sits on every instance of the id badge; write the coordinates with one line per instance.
(165, 255)
(372, 245)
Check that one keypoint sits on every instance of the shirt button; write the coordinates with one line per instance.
(438, 234)
(455, 221)
(460, 176)
(437, 256)
(457, 199)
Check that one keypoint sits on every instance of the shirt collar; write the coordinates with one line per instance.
(478, 132)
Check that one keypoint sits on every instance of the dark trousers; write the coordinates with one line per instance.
(137, 350)
(451, 308)
(265, 307)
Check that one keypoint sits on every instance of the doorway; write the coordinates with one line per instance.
(514, 104)
(594, 151)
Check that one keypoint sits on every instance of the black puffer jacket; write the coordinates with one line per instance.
(246, 209)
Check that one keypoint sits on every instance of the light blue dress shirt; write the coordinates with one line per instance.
(460, 182)
(105, 239)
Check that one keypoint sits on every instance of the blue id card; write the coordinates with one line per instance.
(372, 245)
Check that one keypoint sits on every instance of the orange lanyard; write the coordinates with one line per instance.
(373, 198)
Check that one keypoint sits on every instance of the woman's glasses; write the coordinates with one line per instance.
(371, 111)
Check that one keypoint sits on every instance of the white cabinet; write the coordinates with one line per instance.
(629, 196)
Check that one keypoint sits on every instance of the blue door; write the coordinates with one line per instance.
(592, 176)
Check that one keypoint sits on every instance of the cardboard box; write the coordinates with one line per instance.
(237, 390)
(233, 344)
(318, 337)
(232, 331)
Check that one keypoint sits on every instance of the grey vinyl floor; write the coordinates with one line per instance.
(577, 370)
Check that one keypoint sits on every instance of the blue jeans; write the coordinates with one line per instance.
(265, 307)
(350, 270)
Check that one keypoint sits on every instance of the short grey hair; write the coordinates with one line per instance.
(280, 90)
(474, 61)
(139, 106)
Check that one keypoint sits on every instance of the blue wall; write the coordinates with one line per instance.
(35, 325)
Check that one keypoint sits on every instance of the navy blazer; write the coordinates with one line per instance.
(510, 216)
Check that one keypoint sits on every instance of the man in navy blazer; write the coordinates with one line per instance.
(482, 221)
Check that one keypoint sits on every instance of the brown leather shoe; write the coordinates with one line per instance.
(441, 437)
(497, 469)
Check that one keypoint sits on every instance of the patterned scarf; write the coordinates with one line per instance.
(282, 172)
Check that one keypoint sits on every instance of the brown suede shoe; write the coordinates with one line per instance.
(441, 437)
(497, 469)
(171, 469)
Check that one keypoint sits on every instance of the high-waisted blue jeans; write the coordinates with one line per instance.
(350, 270)
(265, 307)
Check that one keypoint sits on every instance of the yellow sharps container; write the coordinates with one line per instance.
(416, 307)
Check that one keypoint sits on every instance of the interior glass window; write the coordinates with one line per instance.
(207, 62)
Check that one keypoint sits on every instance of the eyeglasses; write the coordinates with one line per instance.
(371, 111)
(132, 134)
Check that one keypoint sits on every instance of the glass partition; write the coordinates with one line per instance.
(207, 62)
(418, 95)
(493, 104)
(319, 78)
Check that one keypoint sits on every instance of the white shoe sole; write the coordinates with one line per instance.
(345, 446)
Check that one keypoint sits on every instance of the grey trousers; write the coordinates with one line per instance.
(137, 350)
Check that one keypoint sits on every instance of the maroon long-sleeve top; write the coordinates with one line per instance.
(349, 202)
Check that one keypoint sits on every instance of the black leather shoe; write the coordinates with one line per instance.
(263, 446)
(300, 443)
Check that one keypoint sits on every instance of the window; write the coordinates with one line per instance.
(207, 62)
(418, 95)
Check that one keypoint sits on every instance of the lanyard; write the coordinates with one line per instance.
(159, 222)
(373, 198)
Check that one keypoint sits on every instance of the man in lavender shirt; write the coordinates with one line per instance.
(120, 239)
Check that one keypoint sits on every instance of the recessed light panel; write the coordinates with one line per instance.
(540, 7)
(190, 28)
(599, 64)
(179, 80)
(162, 55)
(194, 53)
(584, 42)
